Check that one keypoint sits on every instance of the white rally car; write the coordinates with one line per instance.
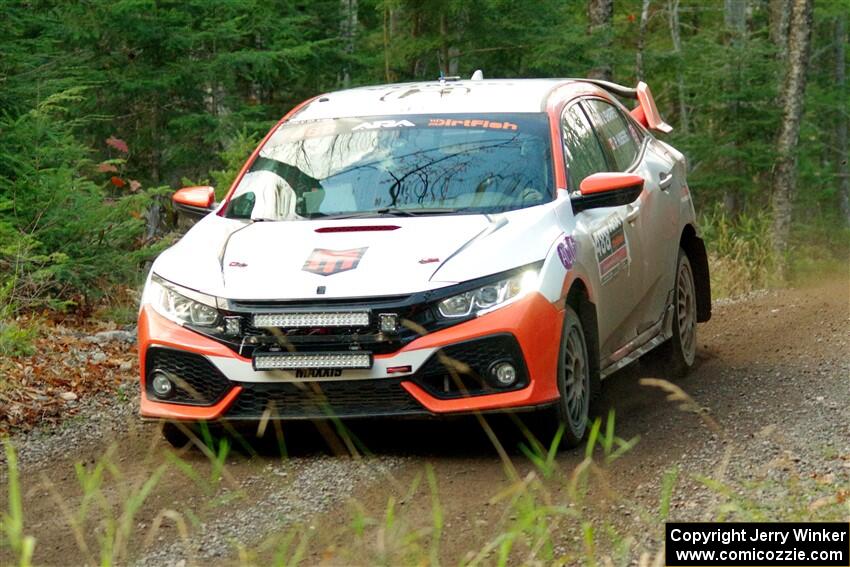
(430, 249)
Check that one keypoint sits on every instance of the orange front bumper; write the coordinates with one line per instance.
(535, 322)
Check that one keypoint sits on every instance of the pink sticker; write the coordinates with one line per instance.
(567, 251)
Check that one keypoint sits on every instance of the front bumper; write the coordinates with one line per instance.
(415, 380)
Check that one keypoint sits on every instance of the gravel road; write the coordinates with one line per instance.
(772, 385)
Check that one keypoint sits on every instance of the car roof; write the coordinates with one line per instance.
(439, 97)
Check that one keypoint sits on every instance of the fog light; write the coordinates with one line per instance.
(162, 384)
(388, 322)
(232, 326)
(505, 373)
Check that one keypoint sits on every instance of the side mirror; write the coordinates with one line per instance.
(607, 190)
(195, 202)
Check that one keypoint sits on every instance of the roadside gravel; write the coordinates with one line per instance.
(285, 494)
(99, 417)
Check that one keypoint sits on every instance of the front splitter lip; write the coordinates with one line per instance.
(534, 321)
(424, 415)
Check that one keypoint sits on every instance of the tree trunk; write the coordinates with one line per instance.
(644, 21)
(735, 17)
(792, 92)
(600, 15)
(387, 18)
(454, 61)
(675, 35)
(779, 10)
(347, 31)
(391, 18)
(444, 45)
(841, 118)
(735, 27)
(415, 26)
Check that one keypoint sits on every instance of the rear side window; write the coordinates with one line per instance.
(618, 135)
(581, 147)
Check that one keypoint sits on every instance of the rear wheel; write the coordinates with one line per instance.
(573, 408)
(679, 353)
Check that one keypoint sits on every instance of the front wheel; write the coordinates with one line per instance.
(573, 408)
(678, 354)
(175, 435)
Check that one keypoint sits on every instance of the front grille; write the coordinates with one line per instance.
(326, 338)
(196, 380)
(410, 309)
(463, 369)
(316, 400)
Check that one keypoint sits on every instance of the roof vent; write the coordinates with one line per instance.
(478, 75)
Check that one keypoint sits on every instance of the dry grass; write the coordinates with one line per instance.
(539, 506)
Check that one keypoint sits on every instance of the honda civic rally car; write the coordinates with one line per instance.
(430, 249)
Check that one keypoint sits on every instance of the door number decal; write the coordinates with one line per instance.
(612, 248)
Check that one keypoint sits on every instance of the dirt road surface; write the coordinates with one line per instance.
(770, 401)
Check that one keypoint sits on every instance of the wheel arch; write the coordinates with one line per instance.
(578, 297)
(694, 247)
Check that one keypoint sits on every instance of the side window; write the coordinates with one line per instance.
(616, 133)
(582, 151)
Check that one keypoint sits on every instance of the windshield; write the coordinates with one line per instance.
(398, 165)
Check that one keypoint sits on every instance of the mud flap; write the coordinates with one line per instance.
(695, 249)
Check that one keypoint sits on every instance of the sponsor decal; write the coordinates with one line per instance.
(328, 262)
(568, 251)
(377, 124)
(238, 265)
(318, 372)
(612, 248)
(429, 260)
(475, 123)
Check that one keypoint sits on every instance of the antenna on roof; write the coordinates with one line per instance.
(478, 75)
(444, 78)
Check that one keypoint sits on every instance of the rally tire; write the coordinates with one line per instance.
(175, 435)
(572, 411)
(679, 353)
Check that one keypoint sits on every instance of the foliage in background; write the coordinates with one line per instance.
(69, 227)
(104, 100)
(740, 251)
(62, 234)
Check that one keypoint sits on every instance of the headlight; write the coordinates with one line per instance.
(179, 304)
(490, 296)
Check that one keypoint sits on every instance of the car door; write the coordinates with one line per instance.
(607, 231)
(652, 219)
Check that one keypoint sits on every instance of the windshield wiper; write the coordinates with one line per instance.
(392, 212)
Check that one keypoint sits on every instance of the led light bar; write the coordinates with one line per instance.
(297, 360)
(327, 319)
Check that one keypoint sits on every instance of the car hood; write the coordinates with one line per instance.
(349, 257)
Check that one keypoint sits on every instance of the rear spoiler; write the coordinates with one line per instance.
(645, 112)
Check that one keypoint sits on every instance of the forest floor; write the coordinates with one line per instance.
(772, 385)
